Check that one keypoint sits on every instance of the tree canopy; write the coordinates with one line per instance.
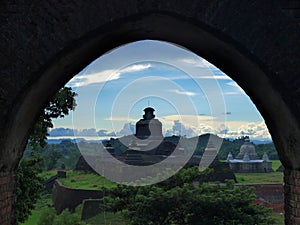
(29, 183)
(180, 200)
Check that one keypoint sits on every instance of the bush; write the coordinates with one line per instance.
(28, 188)
(49, 217)
(178, 201)
(68, 218)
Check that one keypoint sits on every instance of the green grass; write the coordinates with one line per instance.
(42, 204)
(259, 178)
(107, 218)
(91, 181)
(33, 218)
(84, 180)
(47, 174)
(278, 218)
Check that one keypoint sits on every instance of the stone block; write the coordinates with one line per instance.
(90, 208)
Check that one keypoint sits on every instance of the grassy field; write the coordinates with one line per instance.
(107, 218)
(259, 178)
(47, 174)
(41, 205)
(90, 181)
(78, 179)
(278, 218)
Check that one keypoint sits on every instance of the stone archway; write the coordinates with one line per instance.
(44, 45)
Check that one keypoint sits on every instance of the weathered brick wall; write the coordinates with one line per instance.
(7, 197)
(272, 193)
(292, 196)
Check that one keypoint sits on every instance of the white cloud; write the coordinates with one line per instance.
(180, 92)
(135, 68)
(120, 119)
(93, 78)
(179, 129)
(197, 125)
(231, 93)
(216, 77)
(128, 129)
(105, 75)
(256, 130)
(188, 120)
(198, 62)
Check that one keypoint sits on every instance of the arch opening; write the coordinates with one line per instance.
(141, 65)
(239, 65)
(255, 44)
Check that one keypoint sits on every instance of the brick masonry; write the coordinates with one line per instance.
(7, 198)
(292, 196)
(270, 195)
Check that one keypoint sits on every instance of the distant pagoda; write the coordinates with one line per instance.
(148, 126)
(247, 161)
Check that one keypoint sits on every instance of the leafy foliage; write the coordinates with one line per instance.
(66, 153)
(180, 201)
(51, 158)
(269, 148)
(28, 187)
(59, 106)
(49, 217)
(29, 184)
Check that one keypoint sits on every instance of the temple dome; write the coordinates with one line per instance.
(249, 149)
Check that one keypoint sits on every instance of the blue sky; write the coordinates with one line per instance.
(116, 87)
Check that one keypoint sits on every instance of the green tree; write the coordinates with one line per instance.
(49, 217)
(59, 106)
(29, 183)
(180, 201)
(51, 158)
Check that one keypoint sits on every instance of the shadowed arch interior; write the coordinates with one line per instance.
(43, 45)
(239, 64)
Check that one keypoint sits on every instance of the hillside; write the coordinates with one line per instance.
(66, 153)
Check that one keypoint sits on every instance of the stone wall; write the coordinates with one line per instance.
(90, 208)
(251, 166)
(49, 183)
(69, 198)
(7, 197)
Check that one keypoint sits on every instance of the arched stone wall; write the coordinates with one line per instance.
(44, 44)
